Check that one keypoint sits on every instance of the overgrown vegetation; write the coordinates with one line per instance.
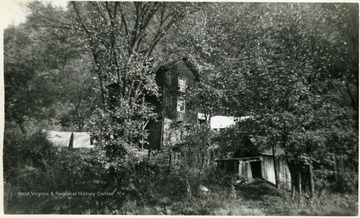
(140, 188)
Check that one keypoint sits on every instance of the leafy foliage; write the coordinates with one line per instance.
(194, 162)
(281, 66)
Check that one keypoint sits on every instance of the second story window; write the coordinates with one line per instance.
(181, 84)
(180, 105)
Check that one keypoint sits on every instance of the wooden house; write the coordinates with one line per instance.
(174, 79)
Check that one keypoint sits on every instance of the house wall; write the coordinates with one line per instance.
(267, 167)
(166, 105)
(268, 172)
(284, 173)
(171, 92)
(251, 169)
(245, 170)
(154, 137)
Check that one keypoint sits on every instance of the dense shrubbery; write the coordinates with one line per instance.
(325, 180)
(32, 164)
(141, 188)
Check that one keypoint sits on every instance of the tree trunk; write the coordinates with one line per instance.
(355, 106)
(188, 188)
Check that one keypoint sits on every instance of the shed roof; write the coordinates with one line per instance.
(278, 152)
(248, 159)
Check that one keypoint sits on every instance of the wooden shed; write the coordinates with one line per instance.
(261, 166)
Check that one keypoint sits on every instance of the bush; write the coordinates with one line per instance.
(347, 182)
(20, 151)
(34, 165)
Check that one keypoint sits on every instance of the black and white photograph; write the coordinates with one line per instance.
(208, 108)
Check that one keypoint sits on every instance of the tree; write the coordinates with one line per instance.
(77, 97)
(27, 93)
(121, 38)
(284, 66)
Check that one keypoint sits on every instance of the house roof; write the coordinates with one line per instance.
(187, 62)
(166, 66)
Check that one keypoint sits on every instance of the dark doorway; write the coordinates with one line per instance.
(256, 169)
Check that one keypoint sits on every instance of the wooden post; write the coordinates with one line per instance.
(292, 190)
(71, 142)
(170, 159)
(208, 157)
(335, 168)
(162, 131)
(299, 186)
(299, 182)
(149, 153)
(240, 169)
(341, 166)
(275, 167)
(142, 143)
(312, 187)
(293, 175)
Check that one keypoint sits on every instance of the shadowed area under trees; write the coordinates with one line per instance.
(291, 68)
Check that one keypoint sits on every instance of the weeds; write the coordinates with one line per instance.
(273, 201)
(144, 190)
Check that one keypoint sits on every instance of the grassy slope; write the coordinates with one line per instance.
(257, 198)
(273, 201)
